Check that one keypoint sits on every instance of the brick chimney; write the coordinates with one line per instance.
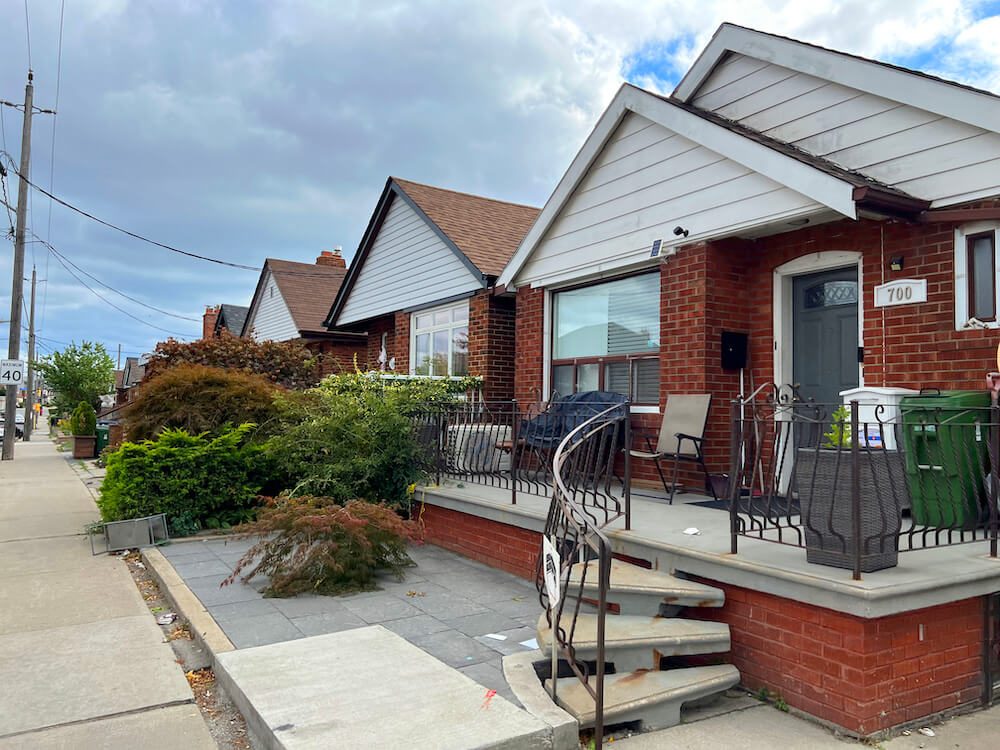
(208, 321)
(335, 259)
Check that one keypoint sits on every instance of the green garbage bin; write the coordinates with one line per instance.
(103, 434)
(945, 443)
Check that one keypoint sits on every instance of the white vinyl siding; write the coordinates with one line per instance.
(646, 181)
(924, 154)
(408, 265)
(270, 319)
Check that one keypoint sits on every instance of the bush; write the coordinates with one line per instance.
(285, 363)
(197, 399)
(191, 478)
(83, 423)
(403, 392)
(347, 445)
(313, 544)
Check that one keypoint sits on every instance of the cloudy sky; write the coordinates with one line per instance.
(243, 130)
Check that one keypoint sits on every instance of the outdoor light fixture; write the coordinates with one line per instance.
(798, 222)
(896, 263)
(679, 230)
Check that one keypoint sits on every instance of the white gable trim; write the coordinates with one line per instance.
(822, 187)
(939, 97)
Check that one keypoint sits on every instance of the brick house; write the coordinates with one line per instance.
(422, 285)
(793, 194)
(221, 318)
(290, 302)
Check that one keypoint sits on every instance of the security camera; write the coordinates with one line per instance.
(679, 230)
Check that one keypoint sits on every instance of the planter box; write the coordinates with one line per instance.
(823, 479)
(84, 447)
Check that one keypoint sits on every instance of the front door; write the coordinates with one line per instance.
(825, 334)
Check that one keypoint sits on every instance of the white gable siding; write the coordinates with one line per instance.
(408, 265)
(646, 181)
(924, 154)
(270, 319)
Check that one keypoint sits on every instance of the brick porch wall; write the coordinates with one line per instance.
(864, 675)
(337, 357)
(491, 343)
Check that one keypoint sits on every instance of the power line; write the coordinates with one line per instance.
(52, 155)
(112, 304)
(90, 276)
(108, 224)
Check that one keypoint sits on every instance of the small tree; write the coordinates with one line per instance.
(199, 399)
(83, 423)
(78, 373)
(282, 362)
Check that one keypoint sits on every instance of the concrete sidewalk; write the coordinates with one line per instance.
(83, 662)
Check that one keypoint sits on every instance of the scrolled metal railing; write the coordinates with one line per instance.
(857, 484)
(578, 514)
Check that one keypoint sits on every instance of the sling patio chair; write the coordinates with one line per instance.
(682, 435)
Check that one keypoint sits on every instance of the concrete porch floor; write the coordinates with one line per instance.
(923, 578)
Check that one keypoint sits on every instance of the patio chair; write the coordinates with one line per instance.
(682, 435)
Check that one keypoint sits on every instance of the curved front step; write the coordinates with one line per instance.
(636, 642)
(640, 591)
(654, 698)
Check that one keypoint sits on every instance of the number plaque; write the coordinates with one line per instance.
(901, 292)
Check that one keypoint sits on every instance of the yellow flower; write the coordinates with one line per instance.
(411, 489)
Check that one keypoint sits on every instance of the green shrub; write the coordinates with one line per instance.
(188, 477)
(197, 399)
(314, 544)
(347, 445)
(401, 391)
(83, 423)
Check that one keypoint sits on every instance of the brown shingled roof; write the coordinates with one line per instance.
(487, 231)
(308, 290)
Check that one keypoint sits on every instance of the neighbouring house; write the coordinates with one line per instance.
(223, 318)
(127, 382)
(290, 303)
(839, 213)
(422, 285)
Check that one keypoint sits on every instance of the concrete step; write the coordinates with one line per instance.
(653, 698)
(638, 591)
(634, 642)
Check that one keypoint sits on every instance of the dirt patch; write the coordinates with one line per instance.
(225, 723)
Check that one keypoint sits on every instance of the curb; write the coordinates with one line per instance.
(204, 628)
(519, 671)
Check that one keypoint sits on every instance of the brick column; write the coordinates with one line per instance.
(528, 344)
(491, 343)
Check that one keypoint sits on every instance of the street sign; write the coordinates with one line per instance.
(11, 372)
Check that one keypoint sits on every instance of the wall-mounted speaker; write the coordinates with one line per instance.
(734, 350)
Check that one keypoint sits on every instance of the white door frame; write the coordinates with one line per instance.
(782, 307)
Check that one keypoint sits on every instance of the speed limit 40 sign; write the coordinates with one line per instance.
(11, 371)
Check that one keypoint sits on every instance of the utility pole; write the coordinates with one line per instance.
(29, 401)
(17, 289)
(119, 365)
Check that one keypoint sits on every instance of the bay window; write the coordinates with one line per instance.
(439, 340)
(606, 337)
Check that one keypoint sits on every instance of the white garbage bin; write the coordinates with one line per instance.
(869, 398)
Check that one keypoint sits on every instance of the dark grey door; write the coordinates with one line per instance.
(825, 333)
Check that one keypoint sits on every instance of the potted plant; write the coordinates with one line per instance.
(824, 482)
(83, 425)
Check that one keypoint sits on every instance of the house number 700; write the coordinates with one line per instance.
(900, 293)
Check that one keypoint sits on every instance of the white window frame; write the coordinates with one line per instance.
(961, 255)
(462, 304)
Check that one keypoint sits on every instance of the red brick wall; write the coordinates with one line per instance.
(528, 337)
(388, 324)
(338, 357)
(491, 343)
(496, 544)
(862, 674)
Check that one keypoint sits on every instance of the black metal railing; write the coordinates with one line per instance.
(856, 484)
(574, 526)
(503, 444)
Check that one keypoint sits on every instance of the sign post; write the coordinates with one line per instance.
(550, 571)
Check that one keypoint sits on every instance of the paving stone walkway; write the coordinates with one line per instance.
(446, 605)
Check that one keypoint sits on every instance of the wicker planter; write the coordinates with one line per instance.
(84, 447)
(824, 484)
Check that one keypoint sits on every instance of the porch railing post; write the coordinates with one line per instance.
(994, 470)
(855, 490)
(628, 467)
(735, 470)
(437, 446)
(515, 431)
